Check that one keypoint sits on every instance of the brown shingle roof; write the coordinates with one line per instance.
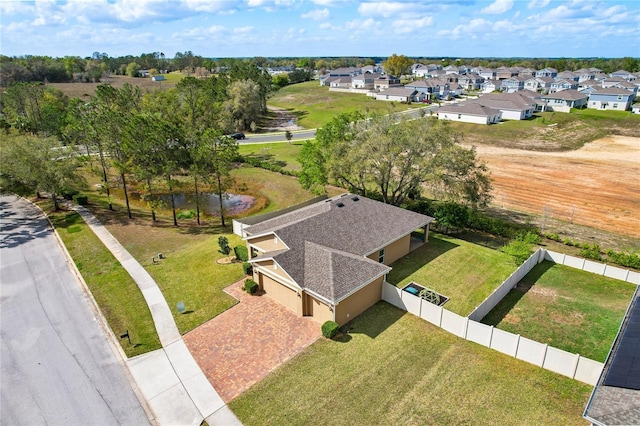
(567, 95)
(338, 232)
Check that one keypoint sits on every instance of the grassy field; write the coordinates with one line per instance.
(395, 369)
(284, 154)
(465, 272)
(118, 296)
(85, 90)
(567, 308)
(314, 105)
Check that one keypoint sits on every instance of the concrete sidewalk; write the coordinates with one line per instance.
(176, 389)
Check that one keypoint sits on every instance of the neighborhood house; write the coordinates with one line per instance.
(328, 260)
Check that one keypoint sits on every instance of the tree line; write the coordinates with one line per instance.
(151, 138)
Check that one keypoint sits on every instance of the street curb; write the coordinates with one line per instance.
(111, 338)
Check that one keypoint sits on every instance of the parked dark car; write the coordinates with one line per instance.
(237, 136)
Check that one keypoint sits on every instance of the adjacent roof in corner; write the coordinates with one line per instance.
(616, 398)
(329, 241)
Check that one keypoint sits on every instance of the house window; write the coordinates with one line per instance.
(459, 116)
(620, 97)
(615, 105)
(381, 256)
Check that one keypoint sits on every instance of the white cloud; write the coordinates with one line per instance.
(242, 30)
(405, 26)
(538, 4)
(386, 9)
(317, 14)
(498, 6)
(207, 6)
(358, 24)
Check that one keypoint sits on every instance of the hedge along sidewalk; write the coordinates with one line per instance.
(175, 387)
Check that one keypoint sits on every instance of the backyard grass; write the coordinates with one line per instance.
(315, 105)
(284, 154)
(394, 368)
(118, 296)
(467, 273)
(569, 309)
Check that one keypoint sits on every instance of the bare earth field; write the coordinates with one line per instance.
(597, 185)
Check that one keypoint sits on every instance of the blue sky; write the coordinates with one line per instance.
(276, 28)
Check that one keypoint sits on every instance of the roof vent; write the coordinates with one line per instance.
(355, 198)
(340, 204)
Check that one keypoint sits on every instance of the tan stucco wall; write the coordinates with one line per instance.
(394, 251)
(280, 293)
(359, 301)
(265, 243)
(320, 311)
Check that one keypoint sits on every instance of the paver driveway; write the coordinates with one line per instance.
(244, 344)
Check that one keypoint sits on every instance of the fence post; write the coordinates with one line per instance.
(515, 355)
(440, 318)
(466, 328)
(575, 366)
(544, 358)
(491, 337)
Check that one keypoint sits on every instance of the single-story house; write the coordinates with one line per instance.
(401, 94)
(514, 106)
(635, 108)
(564, 100)
(613, 98)
(341, 83)
(328, 260)
(469, 113)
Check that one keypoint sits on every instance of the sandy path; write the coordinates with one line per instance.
(597, 185)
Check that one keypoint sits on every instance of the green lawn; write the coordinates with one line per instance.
(284, 154)
(315, 105)
(118, 296)
(192, 275)
(395, 369)
(467, 273)
(573, 310)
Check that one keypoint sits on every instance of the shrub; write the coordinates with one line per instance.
(186, 214)
(629, 260)
(250, 286)
(247, 268)
(68, 193)
(330, 329)
(223, 242)
(241, 252)
(590, 252)
(81, 199)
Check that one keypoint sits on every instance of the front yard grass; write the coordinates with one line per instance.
(465, 272)
(315, 105)
(569, 309)
(118, 296)
(395, 368)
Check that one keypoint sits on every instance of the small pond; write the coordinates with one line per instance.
(209, 202)
(415, 289)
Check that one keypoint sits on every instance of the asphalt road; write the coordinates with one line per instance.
(57, 367)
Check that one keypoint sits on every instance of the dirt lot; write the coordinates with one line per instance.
(597, 185)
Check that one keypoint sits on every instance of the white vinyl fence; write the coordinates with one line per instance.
(594, 267)
(547, 357)
(499, 293)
